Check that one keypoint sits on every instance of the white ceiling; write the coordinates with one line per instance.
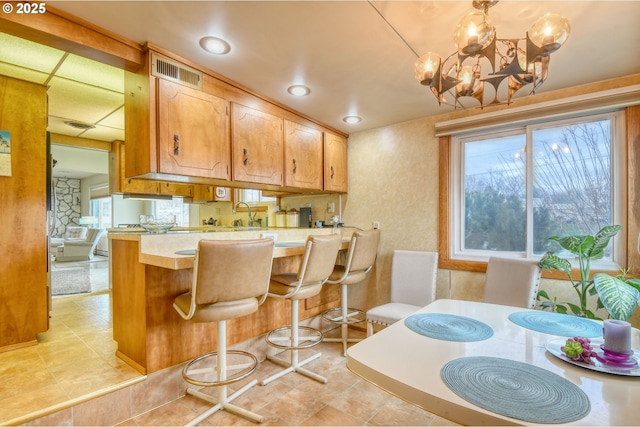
(356, 56)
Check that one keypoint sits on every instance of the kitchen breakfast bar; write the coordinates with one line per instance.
(147, 274)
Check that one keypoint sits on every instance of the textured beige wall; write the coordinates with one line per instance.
(393, 178)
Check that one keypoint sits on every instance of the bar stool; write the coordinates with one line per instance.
(317, 263)
(360, 259)
(230, 280)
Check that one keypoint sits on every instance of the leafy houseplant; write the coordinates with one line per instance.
(619, 295)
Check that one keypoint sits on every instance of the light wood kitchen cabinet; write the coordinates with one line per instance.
(118, 183)
(186, 125)
(173, 189)
(335, 163)
(302, 156)
(256, 146)
(193, 132)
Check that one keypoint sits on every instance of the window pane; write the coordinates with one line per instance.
(101, 209)
(572, 181)
(495, 194)
(175, 207)
(105, 213)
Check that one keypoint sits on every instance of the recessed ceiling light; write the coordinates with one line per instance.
(352, 119)
(79, 125)
(298, 90)
(215, 45)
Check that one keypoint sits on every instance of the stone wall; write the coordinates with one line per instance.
(67, 204)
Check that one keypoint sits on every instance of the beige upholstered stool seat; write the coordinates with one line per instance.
(283, 284)
(317, 263)
(225, 310)
(361, 257)
(339, 272)
(230, 280)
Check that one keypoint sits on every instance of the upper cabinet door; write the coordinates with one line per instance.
(335, 163)
(302, 156)
(257, 146)
(193, 132)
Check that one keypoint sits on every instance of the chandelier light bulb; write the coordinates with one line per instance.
(474, 32)
(426, 67)
(550, 32)
(469, 81)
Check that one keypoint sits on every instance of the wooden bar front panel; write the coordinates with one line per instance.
(152, 336)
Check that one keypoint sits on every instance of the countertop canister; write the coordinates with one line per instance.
(293, 219)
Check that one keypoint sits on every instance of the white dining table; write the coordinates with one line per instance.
(408, 365)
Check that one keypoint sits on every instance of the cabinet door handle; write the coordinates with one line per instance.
(176, 144)
(245, 152)
(295, 166)
(331, 172)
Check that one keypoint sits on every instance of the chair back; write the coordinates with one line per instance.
(319, 258)
(231, 270)
(512, 282)
(363, 250)
(413, 277)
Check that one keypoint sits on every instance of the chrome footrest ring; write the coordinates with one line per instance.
(311, 340)
(353, 316)
(245, 372)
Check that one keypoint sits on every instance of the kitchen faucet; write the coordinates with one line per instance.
(251, 220)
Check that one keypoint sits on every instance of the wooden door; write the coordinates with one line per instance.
(335, 163)
(193, 132)
(257, 146)
(302, 156)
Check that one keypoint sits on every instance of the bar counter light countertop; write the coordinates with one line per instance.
(159, 249)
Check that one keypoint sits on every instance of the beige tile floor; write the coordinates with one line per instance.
(295, 400)
(74, 358)
(75, 361)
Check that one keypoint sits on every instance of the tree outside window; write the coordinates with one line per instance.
(521, 187)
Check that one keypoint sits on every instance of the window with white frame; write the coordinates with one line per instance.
(101, 211)
(512, 190)
(175, 206)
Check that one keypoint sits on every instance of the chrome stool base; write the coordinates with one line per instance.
(216, 376)
(247, 369)
(224, 403)
(314, 338)
(293, 345)
(344, 317)
(353, 316)
(294, 366)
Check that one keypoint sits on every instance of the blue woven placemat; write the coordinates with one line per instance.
(563, 325)
(448, 327)
(515, 389)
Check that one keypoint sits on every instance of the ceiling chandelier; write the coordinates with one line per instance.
(484, 59)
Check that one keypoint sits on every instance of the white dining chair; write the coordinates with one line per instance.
(413, 286)
(512, 282)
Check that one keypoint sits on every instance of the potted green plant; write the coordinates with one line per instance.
(618, 294)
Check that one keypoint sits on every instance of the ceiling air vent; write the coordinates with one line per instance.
(171, 70)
